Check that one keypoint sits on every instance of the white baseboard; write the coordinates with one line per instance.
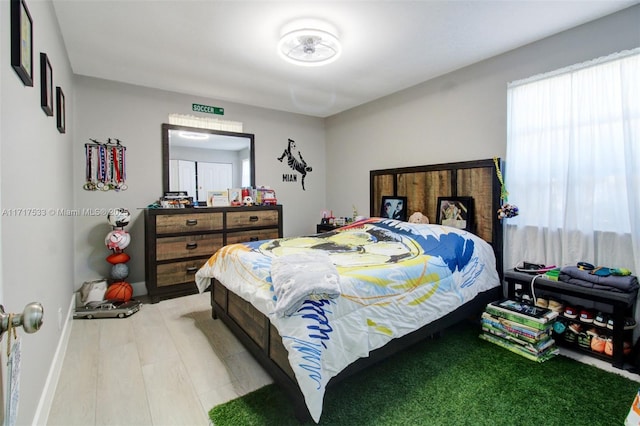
(46, 398)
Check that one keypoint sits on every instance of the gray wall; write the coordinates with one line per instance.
(134, 115)
(457, 117)
(35, 172)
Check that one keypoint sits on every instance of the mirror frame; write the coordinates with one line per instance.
(165, 149)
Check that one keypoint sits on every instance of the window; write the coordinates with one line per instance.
(573, 165)
(246, 173)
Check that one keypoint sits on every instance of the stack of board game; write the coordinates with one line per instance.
(521, 328)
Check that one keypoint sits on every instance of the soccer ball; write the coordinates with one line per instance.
(117, 240)
(119, 218)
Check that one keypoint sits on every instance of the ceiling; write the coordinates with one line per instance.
(226, 50)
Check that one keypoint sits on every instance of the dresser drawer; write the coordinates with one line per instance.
(252, 218)
(188, 222)
(253, 235)
(187, 246)
(178, 272)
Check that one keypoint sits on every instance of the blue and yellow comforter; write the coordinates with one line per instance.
(394, 278)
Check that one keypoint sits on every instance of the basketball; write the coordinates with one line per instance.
(120, 290)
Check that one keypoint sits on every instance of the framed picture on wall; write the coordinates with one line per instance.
(60, 107)
(22, 41)
(456, 212)
(394, 208)
(46, 84)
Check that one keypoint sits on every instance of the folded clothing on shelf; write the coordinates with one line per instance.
(575, 275)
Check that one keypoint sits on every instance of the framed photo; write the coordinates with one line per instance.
(235, 196)
(456, 212)
(46, 84)
(61, 118)
(394, 208)
(22, 41)
(217, 198)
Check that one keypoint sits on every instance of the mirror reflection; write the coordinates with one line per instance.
(201, 160)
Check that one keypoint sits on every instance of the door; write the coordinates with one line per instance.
(213, 177)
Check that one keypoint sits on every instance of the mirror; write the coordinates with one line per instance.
(201, 160)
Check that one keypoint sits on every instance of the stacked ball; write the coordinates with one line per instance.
(117, 240)
(120, 290)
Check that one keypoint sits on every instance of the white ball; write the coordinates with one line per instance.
(119, 218)
(117, 240)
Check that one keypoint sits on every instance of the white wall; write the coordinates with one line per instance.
(134, 115)
(457, 117)
(35, 172)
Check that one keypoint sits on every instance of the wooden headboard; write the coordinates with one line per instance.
(422, 185)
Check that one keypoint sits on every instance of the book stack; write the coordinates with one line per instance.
(521, 328)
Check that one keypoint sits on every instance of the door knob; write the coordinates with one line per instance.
(30, 319)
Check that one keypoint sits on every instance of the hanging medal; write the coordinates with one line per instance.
(123, 169)
(105, 166)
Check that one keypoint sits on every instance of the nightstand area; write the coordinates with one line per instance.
(322, 227)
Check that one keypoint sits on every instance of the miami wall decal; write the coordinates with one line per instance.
(296, 162)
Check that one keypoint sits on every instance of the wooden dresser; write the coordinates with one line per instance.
(179, 241)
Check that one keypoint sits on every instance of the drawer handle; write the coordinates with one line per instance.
(253, 239)
(253, 218)
(192, 222)
(191, 246)
(192, 269)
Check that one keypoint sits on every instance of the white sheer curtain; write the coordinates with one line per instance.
(573, 165)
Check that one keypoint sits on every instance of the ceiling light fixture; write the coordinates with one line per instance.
(309, 47)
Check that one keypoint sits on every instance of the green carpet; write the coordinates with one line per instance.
(457, 379)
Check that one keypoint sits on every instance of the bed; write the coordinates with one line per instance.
(316, 309)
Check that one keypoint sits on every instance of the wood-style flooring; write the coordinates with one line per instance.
(167, 364)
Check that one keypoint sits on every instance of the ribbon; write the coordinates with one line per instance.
(506, 210)
(504, 195)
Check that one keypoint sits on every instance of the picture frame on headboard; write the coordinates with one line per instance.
(456, 212)
(394, 207)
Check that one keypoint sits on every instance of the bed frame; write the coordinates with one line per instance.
(422, 186)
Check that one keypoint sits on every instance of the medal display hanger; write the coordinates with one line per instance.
(105, 165)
